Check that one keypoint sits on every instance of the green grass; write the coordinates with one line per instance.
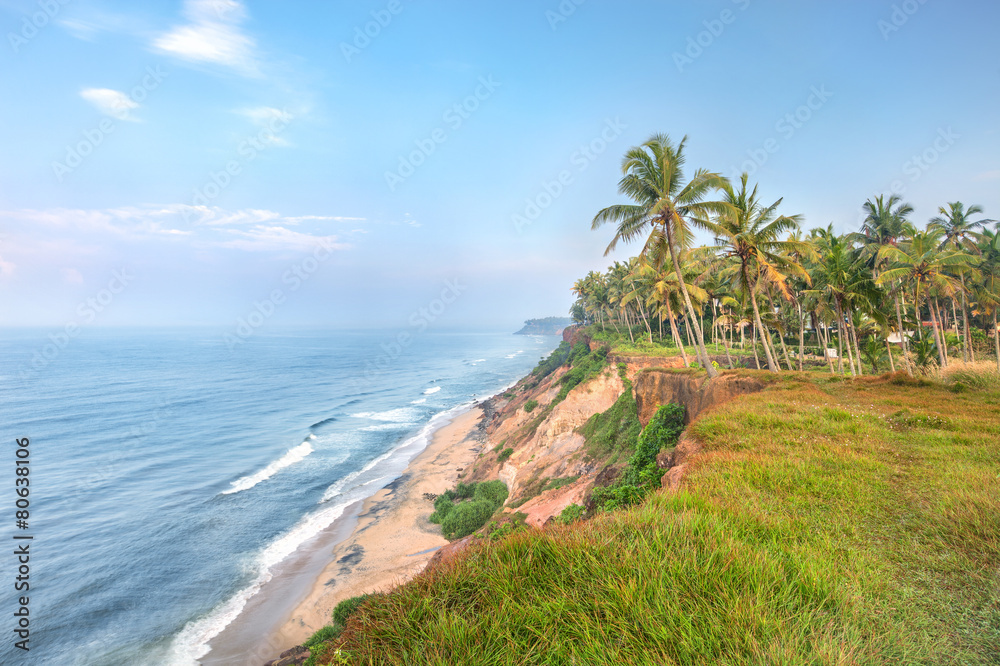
(813, 529)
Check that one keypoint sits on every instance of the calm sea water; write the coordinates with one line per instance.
(170, 474)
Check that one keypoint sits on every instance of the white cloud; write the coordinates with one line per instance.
(989, 175)
(265, 238)
(212, 36)
(110, 102)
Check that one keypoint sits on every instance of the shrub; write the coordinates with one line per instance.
(558, 357)
(530, 405)
(978, 375)
(506, 453)
(466, 518)
(346, 608)
(616, 429)
(572, 513)
(442, 505)
(494, 492)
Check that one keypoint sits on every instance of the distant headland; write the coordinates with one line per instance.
(547, 326)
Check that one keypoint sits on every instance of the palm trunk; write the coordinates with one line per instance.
(954, 315)
(996, 338)
(642, 311)
(677, 337)
(888, 348)
(857, 348)
(725, 343)
(840, 341)
(756, 357)
(784, 350)
(628, 325)
(802, 335)
(965, 323)
(702, 352)
(937, 335)
(902, 337)
(823, 335)
(760, 326)
(941, 324)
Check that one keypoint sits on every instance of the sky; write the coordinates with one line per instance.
(393, 163)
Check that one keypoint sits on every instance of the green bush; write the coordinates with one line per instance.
(572, 513)
(466, 518)
(494, 492)
(327, 633)
(442, 505)
(346, 608)
(547, 366)
(616, 429)
(530, 405)
(506, 453)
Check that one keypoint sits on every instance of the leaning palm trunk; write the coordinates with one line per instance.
(725, 343)
(756, 358)
(888, 349)
(857, 349)
(941, 326)
(784, 350)
(825, 340)
(802, 335)
(677, 337)
(996, 338)
(934, 327)
(700, 340)
(763, 331)
(902, 338)
(840, 341)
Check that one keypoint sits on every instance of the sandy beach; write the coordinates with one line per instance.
(392, 541)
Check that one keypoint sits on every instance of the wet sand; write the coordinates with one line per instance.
(392, 540)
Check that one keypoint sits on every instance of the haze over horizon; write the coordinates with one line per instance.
(348, 165)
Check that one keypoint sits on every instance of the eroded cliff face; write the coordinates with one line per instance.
(547, 450)
(655, 387)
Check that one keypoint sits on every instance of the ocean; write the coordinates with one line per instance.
(171, 472)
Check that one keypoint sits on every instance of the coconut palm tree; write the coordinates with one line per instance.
(988, 287)
(922, 263)
(665, 208)
(750, 234)
(959, 232)
(884, 225)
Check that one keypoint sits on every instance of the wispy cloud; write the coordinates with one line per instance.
(988, 175)
(266, 238)
(110, 102)
(213, 36)
(256, 230)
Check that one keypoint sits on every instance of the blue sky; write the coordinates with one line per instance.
(221, 155)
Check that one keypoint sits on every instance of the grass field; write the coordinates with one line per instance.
(828, 521)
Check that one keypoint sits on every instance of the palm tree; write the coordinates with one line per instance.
(988, 288)
(921, 263)
(884, 224)
(749, 234)
(664, 209)
(959, 232)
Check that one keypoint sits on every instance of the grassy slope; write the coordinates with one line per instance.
(828, 521)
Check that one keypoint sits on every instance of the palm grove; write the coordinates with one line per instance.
(892, 295)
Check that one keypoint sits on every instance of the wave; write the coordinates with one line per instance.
(515, 354)
(380, 427)
(290, 458)
(419, 401)
(433, 389)
(324, 422)
(399, 415)
(192, 643)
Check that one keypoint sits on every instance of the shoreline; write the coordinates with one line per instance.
(389, 542)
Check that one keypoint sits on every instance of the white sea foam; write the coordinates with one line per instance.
(419, 402)
(192, 643)
(400, 415)
(380, 427)
(433, 389)
(290, 458)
